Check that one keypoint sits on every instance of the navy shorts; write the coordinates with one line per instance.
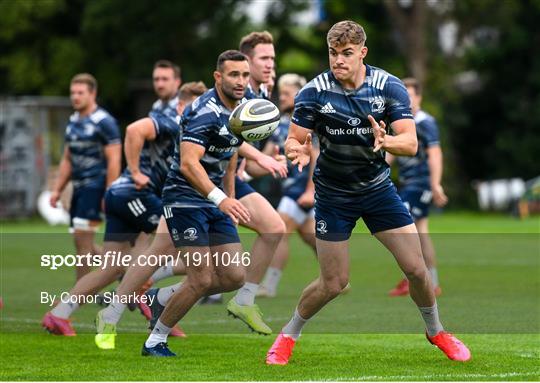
(381, 210)
(417, 201)
(85, 207)
(199, 226)
(242, 188)
(128, 215)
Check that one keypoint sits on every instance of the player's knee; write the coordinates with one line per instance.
(233, 280)
(201, 282)
(334, 286)
(273, 228)
(417, 273)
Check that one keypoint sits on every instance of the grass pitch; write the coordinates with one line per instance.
(491, 290)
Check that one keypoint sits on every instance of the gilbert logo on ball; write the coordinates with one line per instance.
(254, 120)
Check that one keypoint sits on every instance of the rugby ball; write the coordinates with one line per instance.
(254, 120)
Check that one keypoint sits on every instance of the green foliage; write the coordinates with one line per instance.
(488, 131)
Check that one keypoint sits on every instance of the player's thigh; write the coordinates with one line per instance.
(422, 225)
(199, 267)
(333, 257)
(404, 244)
(290, 224)
(264, 219)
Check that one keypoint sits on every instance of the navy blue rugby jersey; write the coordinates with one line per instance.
(205, 122)
(347, 165)
(414, 171)
(156, 156)
(295, 184)
(86, 138)
(168, 108)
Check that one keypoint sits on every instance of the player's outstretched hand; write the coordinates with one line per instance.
(234, 209)
(301, 154)
(273, 166)
(379, 133)
(141, 180)
(439, 197)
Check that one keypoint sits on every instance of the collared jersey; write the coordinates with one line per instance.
(347, 166)
(205, 122)
(86, 138)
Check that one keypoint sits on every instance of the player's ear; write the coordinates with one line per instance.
(217, 76)
(363, 52)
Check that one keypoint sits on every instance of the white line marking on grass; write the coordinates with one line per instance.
(137, 328)
(438, 377)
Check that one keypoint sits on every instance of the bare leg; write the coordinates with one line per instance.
(267, 223)
(334, 276)
(84, 244)
(428, 250)
(404, 244)
(307, 232)
(137, 274)
(205, 279)
(279, 261)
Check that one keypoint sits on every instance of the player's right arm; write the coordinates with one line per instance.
(192, 169)
(136, 134)
(64, 174)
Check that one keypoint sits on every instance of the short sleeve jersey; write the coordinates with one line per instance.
(347, 166)
(205, 122)
(156, 156)
(414, 171)
(86, 138)
(168, 108)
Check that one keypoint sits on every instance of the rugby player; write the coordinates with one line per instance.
(420, 182)
(265, 221)
(91, 160)
(298, 191)
(198, 198)
(342, 106)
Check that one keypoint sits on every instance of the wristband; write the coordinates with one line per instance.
(216, 196)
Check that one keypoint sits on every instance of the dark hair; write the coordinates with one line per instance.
(191, 89)
(85, 78)
(229, 55)
(345, 32)
(411, 82)
(168, 64)
(249, 42)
